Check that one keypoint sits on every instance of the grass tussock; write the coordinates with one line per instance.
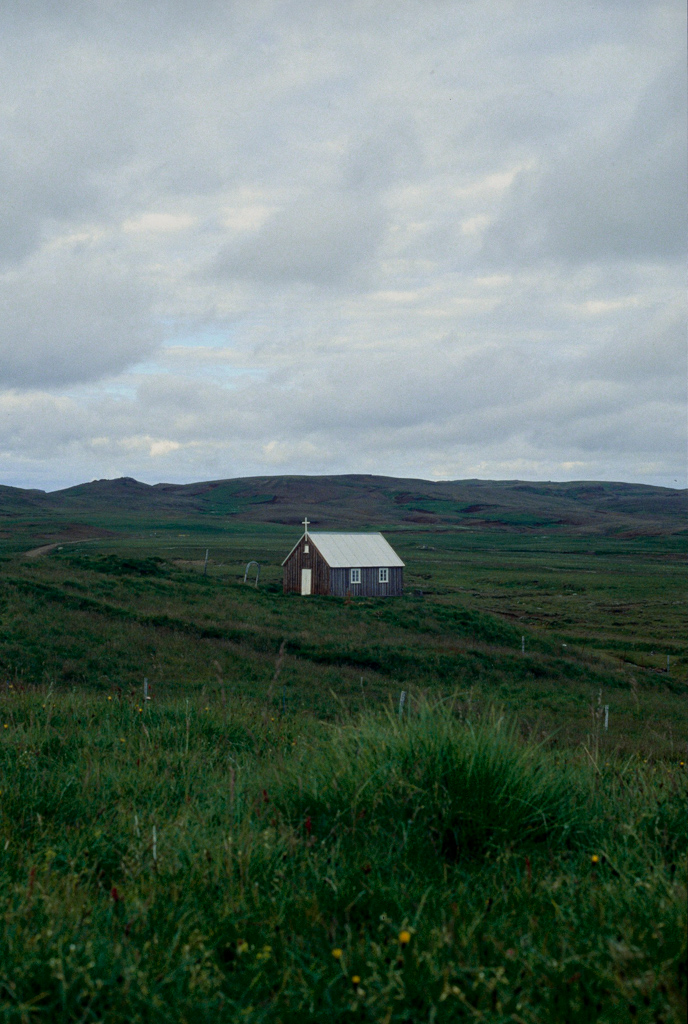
(194, 861)
(436, 785)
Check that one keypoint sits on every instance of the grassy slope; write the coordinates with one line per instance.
(189, 861)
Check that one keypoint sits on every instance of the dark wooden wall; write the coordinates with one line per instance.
(369, 585)
(313, 560)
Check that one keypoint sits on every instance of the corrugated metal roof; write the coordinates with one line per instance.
(355, 550)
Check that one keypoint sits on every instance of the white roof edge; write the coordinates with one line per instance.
(293, 549)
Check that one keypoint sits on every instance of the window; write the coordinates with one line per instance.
(383, 576)
(355, 575)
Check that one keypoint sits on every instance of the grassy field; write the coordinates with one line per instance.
(190, 860)
(598, 622)
(267, 840)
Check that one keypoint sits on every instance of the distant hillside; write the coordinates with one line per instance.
(358, 501)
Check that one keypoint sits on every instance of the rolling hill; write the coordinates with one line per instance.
(351, 502)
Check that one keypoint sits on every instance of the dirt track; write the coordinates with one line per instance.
(45, 549)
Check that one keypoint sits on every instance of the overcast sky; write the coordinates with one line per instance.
(442, 238)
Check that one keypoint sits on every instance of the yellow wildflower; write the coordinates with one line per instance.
(355, 979)
(595, 859)
(337, 954)
(404, 938)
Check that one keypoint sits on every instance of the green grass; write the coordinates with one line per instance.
(193, 860)
(433, 784)
(200, 857)
(598, 625)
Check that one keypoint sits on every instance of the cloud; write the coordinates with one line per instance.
(611, 193)
(316, 240)
(649, 352)
(73, 313)
(430, 238)
(331, 233)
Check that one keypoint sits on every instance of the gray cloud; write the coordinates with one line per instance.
(652, 354)
(318, 240)
(612, 193)
(329, 234)
(72, 315)
(422, 237)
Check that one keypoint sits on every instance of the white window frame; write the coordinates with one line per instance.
(383, 576)
(355, 576)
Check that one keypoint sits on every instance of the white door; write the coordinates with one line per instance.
(306, 581)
